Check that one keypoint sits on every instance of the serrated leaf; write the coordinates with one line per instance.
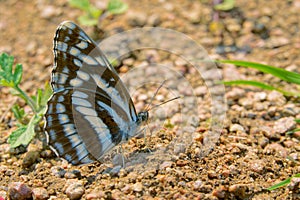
(18, 74)
(81, 4)
(275, 71)
(24, 134)
(87, 21)
(116, 7)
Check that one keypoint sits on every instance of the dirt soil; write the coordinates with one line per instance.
(254, 150)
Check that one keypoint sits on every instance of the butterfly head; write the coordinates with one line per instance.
(143, 117)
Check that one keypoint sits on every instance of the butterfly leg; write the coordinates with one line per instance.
(147, 142)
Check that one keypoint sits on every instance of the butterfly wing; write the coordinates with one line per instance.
(90, 110)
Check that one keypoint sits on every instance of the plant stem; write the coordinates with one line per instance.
(28, 100)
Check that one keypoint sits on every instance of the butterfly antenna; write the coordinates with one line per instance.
(147, 108)
(155, 106)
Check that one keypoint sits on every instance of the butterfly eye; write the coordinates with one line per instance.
(143, 116)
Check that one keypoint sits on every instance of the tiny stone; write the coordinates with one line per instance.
(181, 163)
(165, 164)
(294, 184)
(260, 96)
(276, 98)
(126, 189)
(235, 94)
(58, 171)
(154, 20)
(198, 184)
(236, 127)
(284, 124)
(128, 61)
(75, 190)
(137, 19)
(30, 158)
(212, 174)
(275, 148)
(19, 191)
(263, 141)
(138, 187)
(257, 166)
(39, 194)
(219, 192)
(246, 103)
(239, 190)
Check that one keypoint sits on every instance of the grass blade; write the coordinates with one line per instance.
(275, 71)
(260, 85)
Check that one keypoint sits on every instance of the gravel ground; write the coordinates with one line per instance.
(184, 156)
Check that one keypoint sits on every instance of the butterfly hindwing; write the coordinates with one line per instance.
(90, 110)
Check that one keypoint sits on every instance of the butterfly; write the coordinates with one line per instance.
(90, 111)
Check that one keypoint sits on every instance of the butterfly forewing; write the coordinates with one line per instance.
(91, 110)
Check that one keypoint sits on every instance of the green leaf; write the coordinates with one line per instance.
(282, 183)
(87, 21)
(18, 74)
(47, 92)
(275, 71)
(226, 5)
(259, 85)
(297, 120)
(94, 12)
(19, 113)
(24, 134)
(81, 4)
(116, 7)
(6, 63)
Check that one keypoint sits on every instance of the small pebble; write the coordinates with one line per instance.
(19, 191)
(219, 192)
(197, 184)
(260, 96)
(40, 194)
(137, 187)
(276, 98)
(284, 124)
(58, 171)
(239, 190)
(275, 148)
(166, 164)
(75, 190)
(257, 166)
(294, 185)
(137, 19)
(236, 127)
(30, 158)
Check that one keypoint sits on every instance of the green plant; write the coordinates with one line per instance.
(92, 14)
(11, 77)
(283, 183)
(226, 5)
(282, 74)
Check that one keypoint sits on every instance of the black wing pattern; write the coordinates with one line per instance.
(91, 110)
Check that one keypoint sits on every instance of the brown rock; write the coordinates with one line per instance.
(40, 194)
(19, 191)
